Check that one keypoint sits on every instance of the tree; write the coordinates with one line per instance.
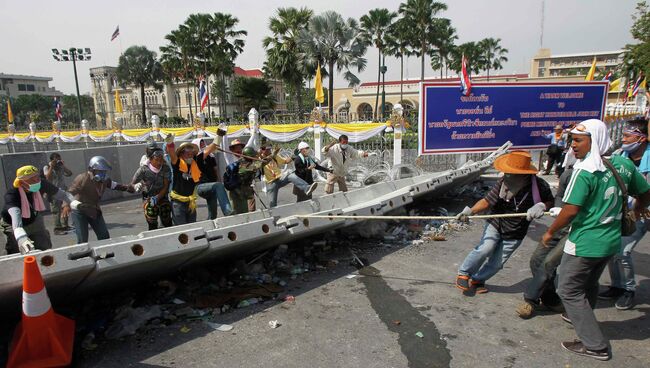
(24, 107)
(445, 35)
(253, 92)
(493, 54)
(176, 57)
(283, 50)
(70, 113)
(637, 57)
(335, 42)
(398, 45)
(472, 52)
(139, 66)
(374, 26)
(421, 15)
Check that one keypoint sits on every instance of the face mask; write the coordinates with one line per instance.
(514, 183)
(100, 176)
(631, 147)
(34, 187)
(188, 161)
(344, 146)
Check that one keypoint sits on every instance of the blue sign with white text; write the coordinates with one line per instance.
(494, 113)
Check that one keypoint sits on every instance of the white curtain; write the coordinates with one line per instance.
(355, 137)
(283, 137)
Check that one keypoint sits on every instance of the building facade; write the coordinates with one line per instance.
(544, 64)
(175, 100)
(15, 85)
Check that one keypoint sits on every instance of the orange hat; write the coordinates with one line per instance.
(515, 162)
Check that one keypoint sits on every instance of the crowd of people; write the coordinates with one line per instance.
(171, 178)
(600, 208)
(601, 214)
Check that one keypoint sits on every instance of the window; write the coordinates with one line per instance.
(22, 87)
(30, 88)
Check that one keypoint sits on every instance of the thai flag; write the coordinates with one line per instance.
(465, 82)
(627, 92)
(57, 109)
(637, 84)
(203, 93)
(608, 76)
(116, 33)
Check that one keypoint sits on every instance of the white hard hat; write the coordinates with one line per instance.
(302, 145)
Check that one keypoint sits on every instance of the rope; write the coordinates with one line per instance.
(503, 215)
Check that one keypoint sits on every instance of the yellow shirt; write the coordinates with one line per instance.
(272, 170)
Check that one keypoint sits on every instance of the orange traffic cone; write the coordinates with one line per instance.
(43, 338)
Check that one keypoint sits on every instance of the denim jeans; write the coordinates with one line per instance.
(621, 268)
(272, 189)
(81, 223)
(215, 194)
(181, 213)
(493, 248)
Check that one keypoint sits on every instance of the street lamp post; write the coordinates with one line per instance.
(383, 87)
(73, 54)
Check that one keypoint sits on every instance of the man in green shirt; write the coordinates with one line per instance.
(592, 205)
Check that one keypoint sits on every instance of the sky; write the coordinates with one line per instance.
(30, 29)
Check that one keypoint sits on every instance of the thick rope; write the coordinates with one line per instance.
(503, 215)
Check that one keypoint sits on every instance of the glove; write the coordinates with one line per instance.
(535, 212)
(75, 204)
(555, 211)
(153, 201)
(25, 244)
(169, 138)
(222, 130)
(464, 215)
(137, 187)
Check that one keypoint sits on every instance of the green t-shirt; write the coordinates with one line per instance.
(596, 230)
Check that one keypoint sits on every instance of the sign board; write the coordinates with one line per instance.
(494, 113)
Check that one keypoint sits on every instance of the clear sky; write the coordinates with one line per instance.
(30, 29)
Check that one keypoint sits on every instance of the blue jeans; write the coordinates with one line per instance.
(81, 223)
(181, 213)
(493, 248)
(215, 194)
(272, 189)
(621, 268)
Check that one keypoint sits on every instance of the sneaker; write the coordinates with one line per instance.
(611, 293)
(479, 287)
(626, 301)
(577, 348)
(60, 231)
(311, 189)
(557, 308)
(525, 310)
(566, 318)
(462, 282)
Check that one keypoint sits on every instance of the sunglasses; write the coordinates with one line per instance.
(635, 131)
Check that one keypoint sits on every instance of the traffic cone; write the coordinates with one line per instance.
(43, 338)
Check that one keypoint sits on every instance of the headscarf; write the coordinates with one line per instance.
(24, 173)
(600, 143)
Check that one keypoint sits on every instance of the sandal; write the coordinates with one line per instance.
(479, 287)
(462, 282)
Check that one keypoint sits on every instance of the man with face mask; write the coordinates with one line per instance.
(592, 205)
(304, 164)
(276, 179)
(88, 189)
(21, 221)
(621, 269)
(152, 179)
(518, 191)
(341, 155)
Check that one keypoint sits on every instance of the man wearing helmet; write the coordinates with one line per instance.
(21, 222)
(88, 189)
(152, 179)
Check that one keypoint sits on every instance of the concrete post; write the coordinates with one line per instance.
(398, 129)
(318, 141)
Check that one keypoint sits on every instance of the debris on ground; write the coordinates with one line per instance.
(274, 324)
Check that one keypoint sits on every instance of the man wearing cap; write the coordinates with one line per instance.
(555, 149)
(152, 179)
(210, 188)
(621, 268)
(592, 205)
(341, 155)
(304, 164)
(518, 191)
(275, 179)
(186, 176)
(88, 189)
(21, 222)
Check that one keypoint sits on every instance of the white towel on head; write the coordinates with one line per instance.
(600, 143)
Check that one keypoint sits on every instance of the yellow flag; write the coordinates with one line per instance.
(10, 114)
(592, 71)
(118, 103)
(642, 85)
(318, 85)
(615, 85)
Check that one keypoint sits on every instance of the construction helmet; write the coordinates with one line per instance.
(249, 151)
(99, 163)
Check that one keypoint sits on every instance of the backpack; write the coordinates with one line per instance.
(231, 176)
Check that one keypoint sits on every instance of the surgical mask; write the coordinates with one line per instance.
(188, 161)
(514, 183)
(344, 146)
(631, 147)
(99, 176)
(34, 187)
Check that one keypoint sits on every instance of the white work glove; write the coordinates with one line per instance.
(25, 244)
(137, 187)
(535, 212)
(555, 211)
(74, 204)
(169, 138)
(463, 216)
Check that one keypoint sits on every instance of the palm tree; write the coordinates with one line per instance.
(374, 26)
(176, 57)
(445, 36)
(398, 45)
(473, 54)
(421, 15)
(336, 42)
(139, 66)
(283, 51)
(493, 54)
